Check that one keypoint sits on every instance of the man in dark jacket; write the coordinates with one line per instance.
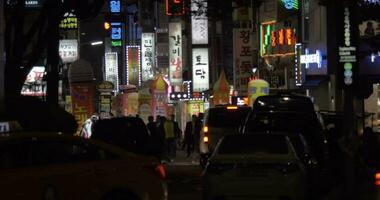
(190, 135)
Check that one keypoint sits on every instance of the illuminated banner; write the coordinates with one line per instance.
(147, 59)
(199, 23)
(34, 84)
(243, 61)
(200, 69)
(276, 42)
(111, 69)
(68, 50)
(69, 21)
(175, 7)
(82, 99)
(175, 53)
(133, 65)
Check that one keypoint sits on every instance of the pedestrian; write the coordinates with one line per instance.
(190, 135)
(197, 131)
(172, 132)
(155, 140)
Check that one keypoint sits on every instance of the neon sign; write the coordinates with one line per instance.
(290, 4)
(308, 59)
(276, 42)
(115, 6)
(116, 34)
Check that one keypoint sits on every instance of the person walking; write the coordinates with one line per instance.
(190, 135)
(155, 140)
(172, 131)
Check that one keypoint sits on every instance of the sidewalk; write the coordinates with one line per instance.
(182, 159)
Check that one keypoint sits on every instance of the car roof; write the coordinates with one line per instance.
(284, 102)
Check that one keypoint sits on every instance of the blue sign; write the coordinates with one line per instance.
(116, 31)
(115, 6)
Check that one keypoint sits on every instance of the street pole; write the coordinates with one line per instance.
(2, 55)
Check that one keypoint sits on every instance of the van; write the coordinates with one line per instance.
(218, 122)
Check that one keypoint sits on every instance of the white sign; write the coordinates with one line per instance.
(147, 59)
(175, 53)
(34, 84)
(200, 69)
(111, 69)
(308, 59)
(243, 59)
(199, 22)
(68, 50)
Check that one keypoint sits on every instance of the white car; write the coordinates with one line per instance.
(254, 166)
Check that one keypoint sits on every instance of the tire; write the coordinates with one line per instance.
(120, 195)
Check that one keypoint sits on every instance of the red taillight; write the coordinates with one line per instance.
(232, 107)
(377, 179)
(160, 169)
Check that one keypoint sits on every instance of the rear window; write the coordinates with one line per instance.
(284, 103)
(255, 143)
(222, 117)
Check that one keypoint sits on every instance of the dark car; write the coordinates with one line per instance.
(129, 133)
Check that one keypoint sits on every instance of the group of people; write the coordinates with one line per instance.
(166, 135)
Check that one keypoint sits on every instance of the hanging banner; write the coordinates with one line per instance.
(68, 50)
(175, 53)
(147, 59)
(82, 99)
(133, 65)
(200, 69)
(160, 97)
(199, 22)
(243, 59)
(111, 69)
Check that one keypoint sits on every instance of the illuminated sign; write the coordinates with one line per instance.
(200, 69)
(116, 33)
(69, 21)
(68, 50)
(375, 56)
(148, 56)
(111, 69)
(276, 42)
(239, 100)
(298, 69)
(33, 3)
(175, 7)
(347, 52)
(34, 84)
(199, 23)
(290, 4)
(307, 58)
(175, 53)
(133, 65)
(115, 6)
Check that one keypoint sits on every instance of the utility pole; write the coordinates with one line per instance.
(2, 55)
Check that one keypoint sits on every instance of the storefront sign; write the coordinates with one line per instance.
(276, 42)
(175, 7)
(308, 59)
(34, 84)
(133, 65)
(290, 4)
(239, 100)
(199, 22)
(148, 56)
(347, 52)
(200, 69)
(82, 96)
(242, 59)
(68, 50)
(116, 34)
(298, 72)
(175, 53)
(69, 21)
(34, 3)
(111, 69)
(115, 6)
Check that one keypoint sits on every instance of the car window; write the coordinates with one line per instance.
(14, 154)
(61, 151)
(221, 117)
(255, 143)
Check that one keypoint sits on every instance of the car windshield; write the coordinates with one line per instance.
(255, 143)
(222, 117)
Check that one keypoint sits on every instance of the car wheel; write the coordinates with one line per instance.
(120, 195)
(50, 193)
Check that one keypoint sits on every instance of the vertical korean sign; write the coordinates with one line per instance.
(82, 95)
(199, 22)
(147, 59)
(175, 53)
(133, 65)
(243, 59)
(111, 69)
(68, 50)
(200, 69)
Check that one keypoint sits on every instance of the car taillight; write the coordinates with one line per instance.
(157, 169)
(232, 107)
(377, 178)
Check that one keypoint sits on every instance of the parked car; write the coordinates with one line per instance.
(254, 166)
(51, 166)
(129, 133)
(218, 122)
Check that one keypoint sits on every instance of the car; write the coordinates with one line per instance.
(218, 122)
(54, 166)
(254, 166)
